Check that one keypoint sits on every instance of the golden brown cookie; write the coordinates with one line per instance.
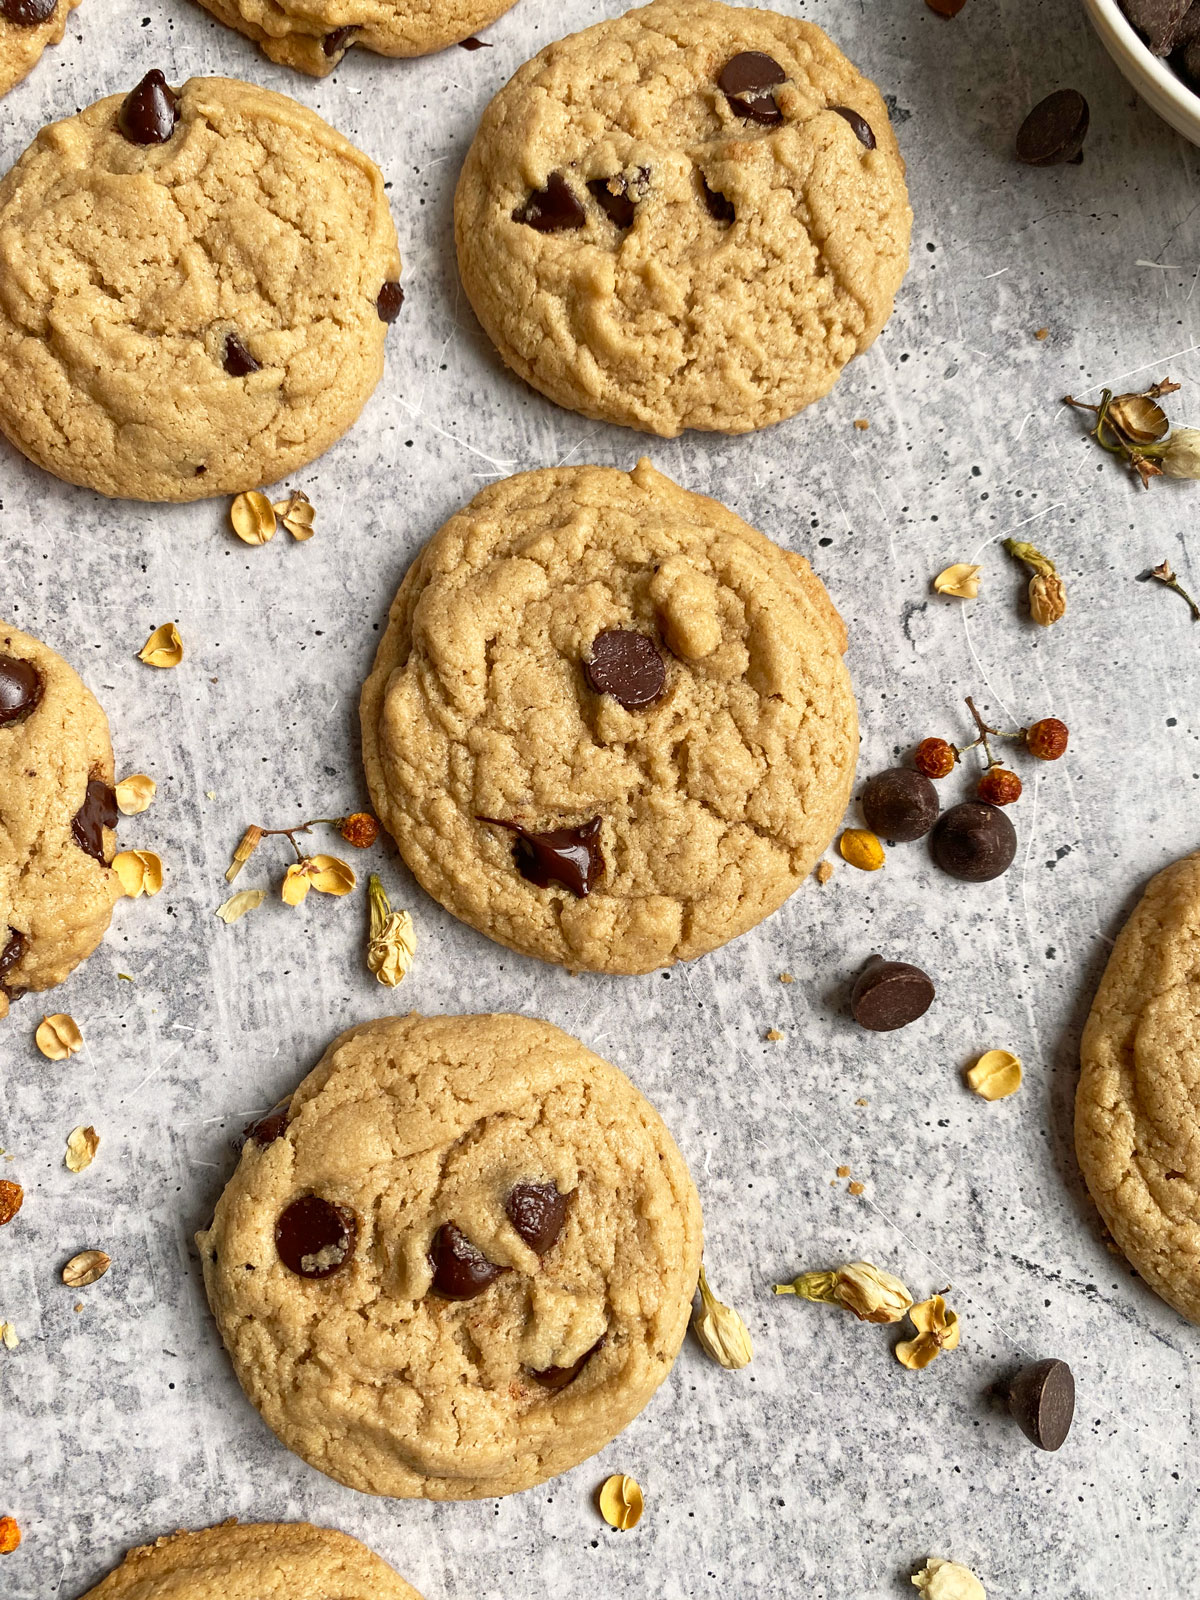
(1137, 1110)
(609, 724)
(459, 1262)
(27, 27)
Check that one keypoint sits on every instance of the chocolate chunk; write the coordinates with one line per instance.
(268, 1128)
(718, 206)
(553, 209)
(617, 207)
(389, 301)
(628, 666)
(1054, 130)
(98, 811)
(560, 1377)
(1189, 60)
(239, 363)
(473, 44)
(334, 43)
(900, 804)
(747, 80)
(460, 1272)
(946, 8)
(316, 1237)
(20, 690)
(863, 131)
(974, 841)
(27, 13)
(1041, 1398)
(568, 856)
(537, 1211)
(11, 953)
(890, 994)
(149, 114)
(1160, 21)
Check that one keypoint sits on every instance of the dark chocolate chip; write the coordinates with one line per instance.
(1054, 130)
(20, 690)
(560, 1377)
(568, 856)
(27, 13)
(12, 951)
(890, 994)
(473, 44)
(946, 8)
(268, 1128)
(747, 80)
(389, 301)
(718, 206)
(974, 841)
(628, 666)
(1161, 21)
(863, 130)
(537, 1211)
(553, 209)
(617, 207)
(239, 363)
(316, 1237)
(149, 114)
(98, 811)
(1041, 1397)
(900, 804)
(460, 1272)
(334, 43)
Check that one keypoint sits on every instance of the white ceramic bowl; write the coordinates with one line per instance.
(1154, 80)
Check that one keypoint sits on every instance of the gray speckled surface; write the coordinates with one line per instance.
(825, 1469)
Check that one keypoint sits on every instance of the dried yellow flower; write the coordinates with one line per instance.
(961, 580)
(621, 1503)
(393, 940)
(139, 871)
(8, 1336)
(88, 1267)
(58, 1037)
(996, 1075)
(253, 517)
(861, 849)
(236, 907)
(250, 842)
(82, 1144)
(164, 647)
(296, 514)
(1047, 599)
(937, 1328)
(870, 1293)
(135, 794)
(721, 1332)
(946, 1580)
(325, 874)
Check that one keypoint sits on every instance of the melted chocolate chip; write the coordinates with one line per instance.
(98, 811)
(239, 363)
(315, 1237)
(553, 209)
(617, 206)
(11, 953)
(567, 856)
(537, 1211)
(149, 114)
(389, 301)
(20, 690)
(460, 1272)
(863, 131)
(27, 13)
(269, 1128)
(627, 666)
(334, 43)
(718, 206)
(747, 81)
(560, 1377)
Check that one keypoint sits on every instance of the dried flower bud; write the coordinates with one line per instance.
(250, 842)
(1047, 598)
(996, 1075)
(164, 647)
(721, 1332)
(82, 1144)
(135, 794)
(621, 1502)
(393, 940)
(58, 1037)
(236, 907)
(88, 1267)
(870, 1293)
(325, 874)
(361, 830)
(946, 1580)
(296, 514)
(11, 1198)
(253, 517)
(1181, 458)
(861, 849)
(10, 1532)
(937, 1328)
(1033, 558)
(10, 1341)
(139, 871)
(1139, 418)
(961, 580)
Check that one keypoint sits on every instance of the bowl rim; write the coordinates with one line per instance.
(1164, 77)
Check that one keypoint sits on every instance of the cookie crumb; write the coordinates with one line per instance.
(862, 1102)
(856, 1188)
(861, 424)
(773, 1034)
(786, 977)
(1042, 333)
(824, 871)
(843, 1172)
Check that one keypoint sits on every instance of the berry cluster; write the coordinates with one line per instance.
(999, 785)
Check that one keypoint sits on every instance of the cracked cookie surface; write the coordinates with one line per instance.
(126, 270)
(1137, 1108)
(648, 249)
(314, 35)
(23, 40)
(254, 1561)
(714, 800)
(56, 888)
(411, 1125)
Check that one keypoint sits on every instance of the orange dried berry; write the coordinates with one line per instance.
(10, 1535)
(360, 830)
(1047, 739)
(935, 758)
(11, 1196)
(999, 787)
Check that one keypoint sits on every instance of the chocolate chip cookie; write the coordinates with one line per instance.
(57, 815)
(314, 35)
(264, 1561)
(691, 216)
(459, 1262)
(27, 27)
(609, 724)
(194, 290)
(1137, 1109)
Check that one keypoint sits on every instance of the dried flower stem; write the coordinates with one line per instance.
(1167, 578)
